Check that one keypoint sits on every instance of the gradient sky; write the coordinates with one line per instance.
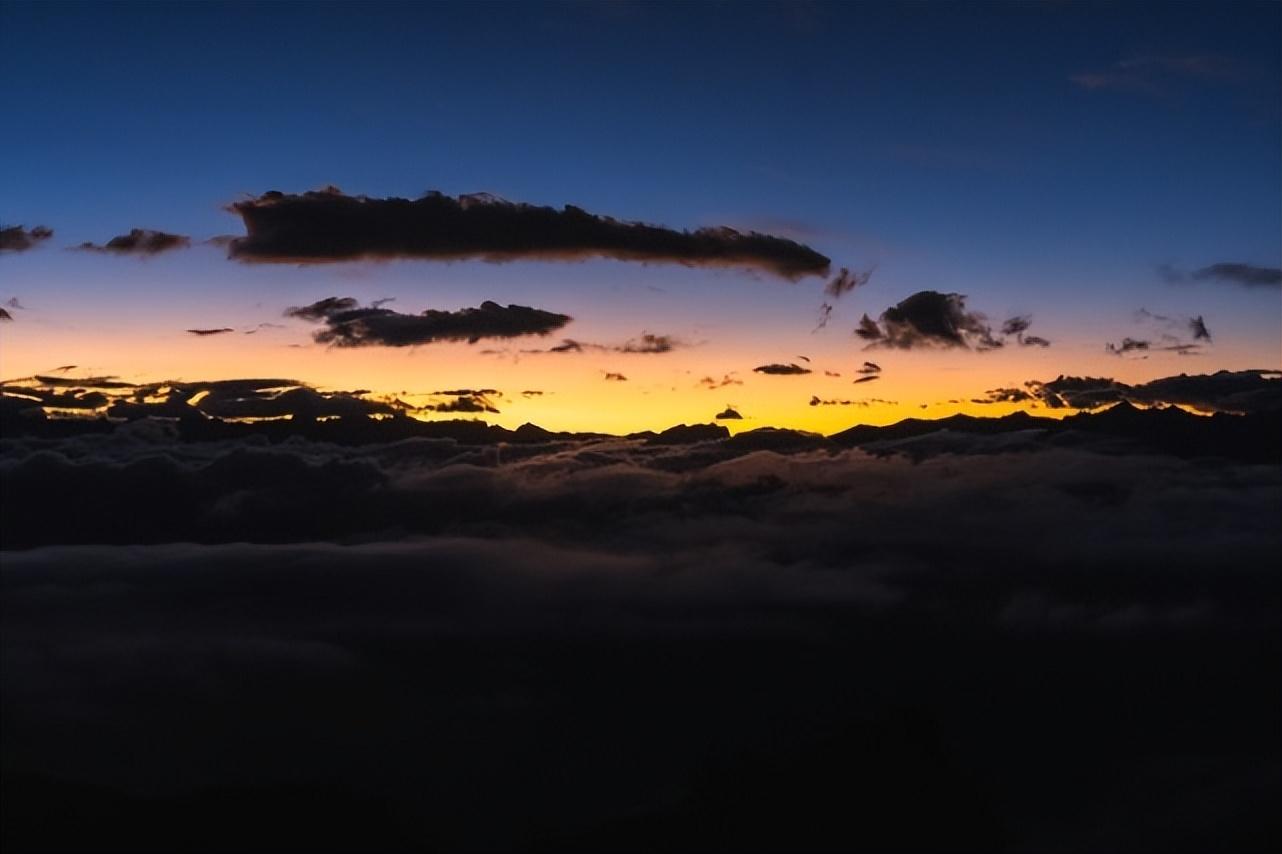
(1042, 159)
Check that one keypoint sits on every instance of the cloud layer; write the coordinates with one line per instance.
(587, 645)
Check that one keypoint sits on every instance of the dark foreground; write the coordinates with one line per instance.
(981, 640)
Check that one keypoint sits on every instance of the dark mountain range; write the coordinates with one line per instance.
(1169, 430)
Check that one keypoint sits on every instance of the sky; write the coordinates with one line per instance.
(1090, 167)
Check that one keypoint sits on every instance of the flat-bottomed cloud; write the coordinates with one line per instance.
(329, 225)
(349, 325)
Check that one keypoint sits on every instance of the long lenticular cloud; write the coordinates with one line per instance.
(349, 325)
(328, 226)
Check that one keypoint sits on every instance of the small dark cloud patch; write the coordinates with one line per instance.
(612, 376)
(729, 414)
(1034, 341)
(845, 281)
(348, 325)
(1005, 395)
(646, 342)
(263, 326)
(1016, 325)
(5, 315)
(328, 226)
(464, 403)
(467, 392)
(713, 382)
(1165, 334)
(867, 379)
(139, 241)
(930, 319)
(1246, 275)
(14, 302)
(777, 369)
(16, 238)
(323, 309)
(869, 368)
(1127, 345)
(649, 343)
(828, 373)
(205, 332)
(532, 392)
(1197, 327)
(815, 400)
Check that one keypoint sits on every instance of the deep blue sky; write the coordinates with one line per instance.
(1038, 157)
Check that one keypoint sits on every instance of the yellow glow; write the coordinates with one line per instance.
(661, 390)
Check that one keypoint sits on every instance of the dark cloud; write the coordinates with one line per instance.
(845, 282)
(649, 343)
(1247, 275)
(615, 377)
(218, 331)
(1128, 345)
(815, 400)
(728, 414)
(790, 369)
(931, 319)
(140, 241)
(329, 226)
(323, 309)
(16, 238)
(869, 368)
(1017, 325)
(868, 329)
(468, 392)
(1005, 395)
(465, 403)
(1169, 332)
(532, 393)
(1224, 391)
(262, 326)
(347, 325)
(5, 315)
(465, 400)
(14, 302)
(867, 379)
(727, 379)
(1198, 327)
